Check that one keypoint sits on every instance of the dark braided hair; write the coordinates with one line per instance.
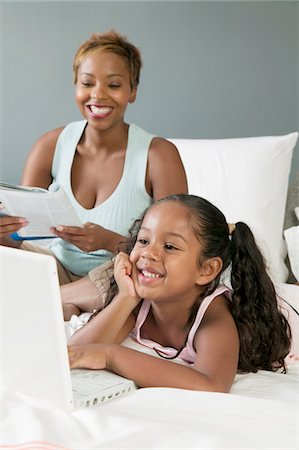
(264, 333)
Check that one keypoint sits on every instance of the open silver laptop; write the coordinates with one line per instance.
(33, 348)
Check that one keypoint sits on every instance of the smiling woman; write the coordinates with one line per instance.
(103, 89)
(110, 170)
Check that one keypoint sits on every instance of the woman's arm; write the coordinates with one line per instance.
(37, 172)
(165, 172)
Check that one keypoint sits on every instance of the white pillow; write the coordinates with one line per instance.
(247, 179)
(292, 241)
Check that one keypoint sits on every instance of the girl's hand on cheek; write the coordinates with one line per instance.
(88, 356)
(123, 276)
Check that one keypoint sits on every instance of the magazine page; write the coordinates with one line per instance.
(43, 210)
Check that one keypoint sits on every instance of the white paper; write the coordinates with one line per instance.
(43, 210)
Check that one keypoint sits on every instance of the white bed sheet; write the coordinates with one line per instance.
(261, 412)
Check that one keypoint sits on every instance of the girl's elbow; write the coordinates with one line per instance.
(222, 389)
(211, 385)
(213, 388)
(80, 338)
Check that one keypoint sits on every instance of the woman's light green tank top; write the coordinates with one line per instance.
(116, 213)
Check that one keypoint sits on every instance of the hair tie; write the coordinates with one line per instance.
(231, 228)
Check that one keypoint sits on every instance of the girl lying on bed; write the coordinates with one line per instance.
(167, 294)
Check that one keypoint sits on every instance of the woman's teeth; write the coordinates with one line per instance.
(99, 110)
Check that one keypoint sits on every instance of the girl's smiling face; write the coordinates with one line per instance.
(103, 88)
(166, 255)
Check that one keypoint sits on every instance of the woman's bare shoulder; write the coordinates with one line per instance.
(160, 144)
(37, 170)
(48, 140)
(165, 169)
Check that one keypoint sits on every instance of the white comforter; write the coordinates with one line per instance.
(261, 412)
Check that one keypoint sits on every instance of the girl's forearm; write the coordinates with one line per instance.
(111, 325)
(150, 371)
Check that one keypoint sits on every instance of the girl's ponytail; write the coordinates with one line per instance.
(264, 331)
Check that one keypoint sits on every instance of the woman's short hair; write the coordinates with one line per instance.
(112, 42)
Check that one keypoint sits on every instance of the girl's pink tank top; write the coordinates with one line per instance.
(188, 353)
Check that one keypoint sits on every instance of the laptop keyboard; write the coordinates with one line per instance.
(91, 387)
(86, 381)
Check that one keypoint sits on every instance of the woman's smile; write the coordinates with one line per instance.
(99, 112)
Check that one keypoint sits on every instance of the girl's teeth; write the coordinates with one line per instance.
(150, 275)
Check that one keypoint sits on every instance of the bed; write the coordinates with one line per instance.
(261, 411)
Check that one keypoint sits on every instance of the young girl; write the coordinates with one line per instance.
(111, 170)
(169, 298)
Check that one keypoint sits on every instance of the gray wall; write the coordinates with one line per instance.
(211, 69)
